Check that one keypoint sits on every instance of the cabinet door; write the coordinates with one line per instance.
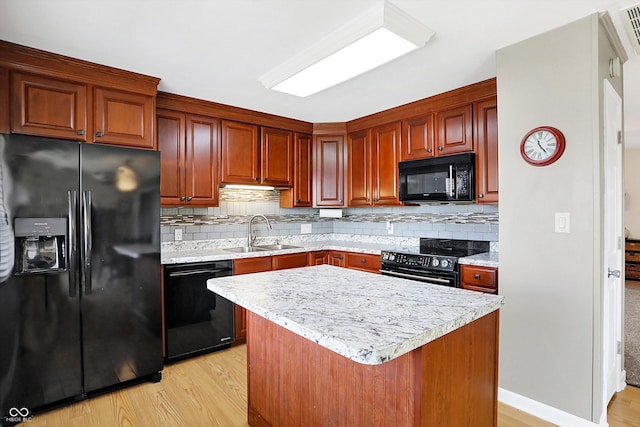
(48, 107)
(300, 194)
(486, 118)
(417, 138)
(328, 181)
(454, 130)
(479, 278)
(171, 144)
(245, 266)
(318, 258)
(276, 157)
(202, 160)
(123, 118)
(282, 262)
(365, 262)
(359, 169)
(385, 149)
(240, 151)
(337, 258)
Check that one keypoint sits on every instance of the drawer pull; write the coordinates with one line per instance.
(476, 276)
(364, 261)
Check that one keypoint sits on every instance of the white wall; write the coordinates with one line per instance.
(632, 192)
(550, 333)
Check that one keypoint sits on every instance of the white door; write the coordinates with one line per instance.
(613, 244)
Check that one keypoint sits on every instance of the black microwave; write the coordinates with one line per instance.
(438, 179)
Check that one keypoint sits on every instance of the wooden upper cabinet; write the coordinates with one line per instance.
(486, 143)
(276, 157)
(373, 157)
(329, 176)
(172, 147)
(48, 107)
(300, 195)
(359, 169)
(418, 138)
(454, 130)
(240, 153)
(189, 153)
(123, 118)
(385, 142)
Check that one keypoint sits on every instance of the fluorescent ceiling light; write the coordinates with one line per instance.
(249, 187)
(376, 37)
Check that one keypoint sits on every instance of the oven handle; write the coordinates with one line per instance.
(412, 276)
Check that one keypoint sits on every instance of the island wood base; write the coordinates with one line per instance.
(293, 381)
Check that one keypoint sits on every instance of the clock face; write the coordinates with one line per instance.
(542, 146)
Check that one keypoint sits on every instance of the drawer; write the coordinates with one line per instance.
(632, 256)
(632, 245)
(366, 262)
(486, 277)
(251, 265)
(282, 262)
(632, 271)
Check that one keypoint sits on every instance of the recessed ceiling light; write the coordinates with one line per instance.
(378, 36)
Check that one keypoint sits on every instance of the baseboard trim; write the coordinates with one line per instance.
(544, 412)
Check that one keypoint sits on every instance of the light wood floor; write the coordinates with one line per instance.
(211, 390)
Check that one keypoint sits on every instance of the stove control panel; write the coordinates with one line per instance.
(421, 261)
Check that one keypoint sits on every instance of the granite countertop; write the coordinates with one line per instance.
(485, 259)
(367, 318)
(218, 254)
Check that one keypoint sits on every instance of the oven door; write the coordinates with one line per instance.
(433, 277)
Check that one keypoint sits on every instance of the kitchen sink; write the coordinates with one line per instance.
(245, 249)
(277, 247)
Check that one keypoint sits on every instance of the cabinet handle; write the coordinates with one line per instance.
(429, 150)
(376, 200)
(367, 199)
(339, 200)
(264, 179)
(481, 196)
(99, 133)
(297, 200)
(439, 148)
(476, 276)
(80, 132)
(182, 199)
(189, 199)
(256, 178)
(363, 261)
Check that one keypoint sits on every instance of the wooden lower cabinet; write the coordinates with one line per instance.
(365, 262)
(246, 266)
(337, 258)
(318, 258)
(479, 278)
(632, 259)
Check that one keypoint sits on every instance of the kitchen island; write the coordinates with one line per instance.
(332, 346)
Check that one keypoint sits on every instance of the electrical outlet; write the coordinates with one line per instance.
(389, 227)
(305, 228)
(177, 234)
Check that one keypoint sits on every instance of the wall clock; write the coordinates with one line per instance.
(542, 146)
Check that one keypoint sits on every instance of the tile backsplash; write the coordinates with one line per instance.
(229, 220)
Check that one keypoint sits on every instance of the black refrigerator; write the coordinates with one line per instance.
(80, 289)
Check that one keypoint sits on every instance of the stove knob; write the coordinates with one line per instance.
(444, 263)
(435, 262)
(392, 257)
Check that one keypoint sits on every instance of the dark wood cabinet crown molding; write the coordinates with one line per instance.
(171, 101)
(30, 60)
(444, 101)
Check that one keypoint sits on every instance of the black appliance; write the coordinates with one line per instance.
(438, 179)
(197, 320)
(80, 284)
(437, 261)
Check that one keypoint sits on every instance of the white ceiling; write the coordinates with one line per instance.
(217, 49)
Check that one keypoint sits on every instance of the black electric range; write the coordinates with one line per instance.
(437, 261)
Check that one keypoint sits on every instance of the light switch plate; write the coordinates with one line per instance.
(177, 234)
(389, 227)
(563, 222)
(305, 228)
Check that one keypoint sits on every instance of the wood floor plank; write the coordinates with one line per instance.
(211, 390)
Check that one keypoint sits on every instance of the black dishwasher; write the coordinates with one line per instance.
(197, 320)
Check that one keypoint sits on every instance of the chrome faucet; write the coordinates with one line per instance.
(251, 235)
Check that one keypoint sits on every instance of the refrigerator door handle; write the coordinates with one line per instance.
(87, 243)
(72, 203)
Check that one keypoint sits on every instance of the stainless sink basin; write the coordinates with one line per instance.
(245, 249)
(277, 247)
